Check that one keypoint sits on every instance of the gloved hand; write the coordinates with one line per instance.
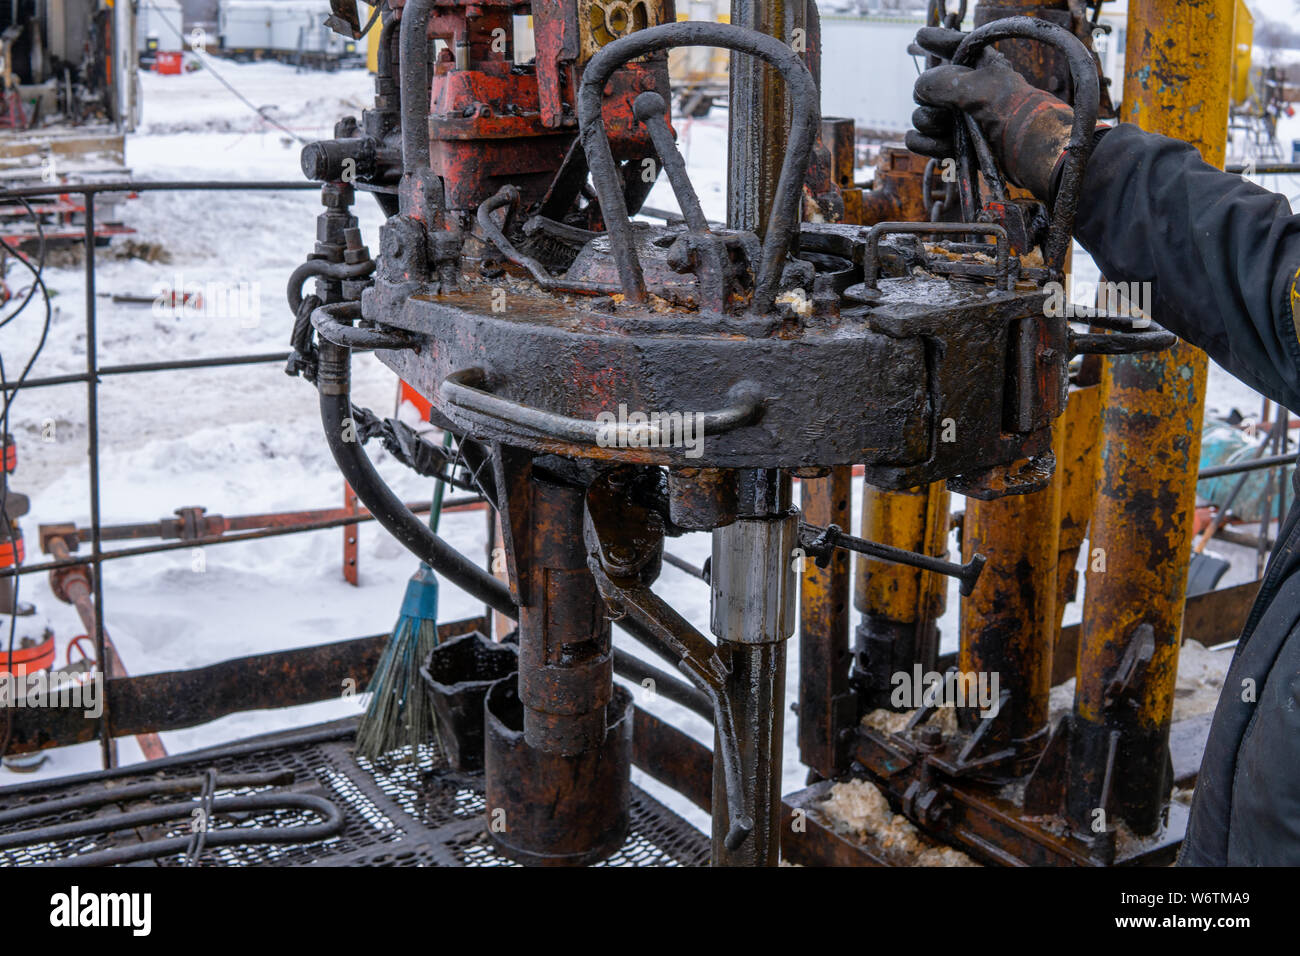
(1027, 129)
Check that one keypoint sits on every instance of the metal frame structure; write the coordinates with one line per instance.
(91, 378)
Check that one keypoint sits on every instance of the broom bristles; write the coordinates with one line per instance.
(399, 717)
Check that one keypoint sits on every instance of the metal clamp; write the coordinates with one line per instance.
(871, 260)
(463, 389)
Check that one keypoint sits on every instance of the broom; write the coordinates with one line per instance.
(399, 717)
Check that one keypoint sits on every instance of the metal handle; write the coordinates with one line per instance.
(784, 220)
(463, 390)
(1087, 98)
(1154, 339)
(333, 323)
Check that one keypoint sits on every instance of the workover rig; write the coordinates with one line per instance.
(514, 290)
(610, 383)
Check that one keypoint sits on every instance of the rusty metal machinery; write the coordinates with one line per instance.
(611, 383)
(1098, 791)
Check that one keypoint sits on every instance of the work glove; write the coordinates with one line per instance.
(1027, 129)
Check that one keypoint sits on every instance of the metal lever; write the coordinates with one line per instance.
(652, 111)
(822, 542)
(643, 614)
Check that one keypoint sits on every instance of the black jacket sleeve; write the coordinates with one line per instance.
(1222, 254)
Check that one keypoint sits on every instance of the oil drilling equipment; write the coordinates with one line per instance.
(610, 381)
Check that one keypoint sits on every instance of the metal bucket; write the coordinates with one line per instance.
(458, 674)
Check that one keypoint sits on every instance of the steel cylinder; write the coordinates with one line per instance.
(1008, 624)
(552, 809)
(753, 615)
(759, 112)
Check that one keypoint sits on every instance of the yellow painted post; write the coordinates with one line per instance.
(1178, 67)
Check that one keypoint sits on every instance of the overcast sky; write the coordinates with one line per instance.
(1282, 10)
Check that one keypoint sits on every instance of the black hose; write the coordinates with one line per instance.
(414, 86)
(330, 270)
(333, 381)
(665, 685)
(332, 821)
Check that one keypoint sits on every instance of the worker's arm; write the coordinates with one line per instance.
(1222, 254)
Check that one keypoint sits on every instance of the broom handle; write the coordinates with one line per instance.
(439, 487)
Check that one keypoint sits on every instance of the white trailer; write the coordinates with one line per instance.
(867, 74)
(290, 30)
(159, 27)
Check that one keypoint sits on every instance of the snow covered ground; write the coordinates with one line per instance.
(247, 439)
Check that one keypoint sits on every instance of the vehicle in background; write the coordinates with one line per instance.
(69, 73)
(292, 31)
(159, 28)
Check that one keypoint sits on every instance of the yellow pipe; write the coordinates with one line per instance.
(1178, 67)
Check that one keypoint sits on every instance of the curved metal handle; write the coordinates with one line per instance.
(1087, 99)
(805, 109)
(333, 323)
(463, 390)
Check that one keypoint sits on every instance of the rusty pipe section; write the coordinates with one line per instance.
(759, 113)
(566, 668)
(558, 748)
(413, 66)
(1178, 62)
(73, 586)
(827, 708)
(1008, 624)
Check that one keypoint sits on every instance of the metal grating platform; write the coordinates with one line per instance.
(416, 813)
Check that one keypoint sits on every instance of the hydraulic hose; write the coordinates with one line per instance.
(334, 384)
(413, 64)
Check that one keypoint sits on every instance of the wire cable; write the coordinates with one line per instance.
(10, 393)
(207, 65)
